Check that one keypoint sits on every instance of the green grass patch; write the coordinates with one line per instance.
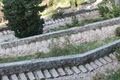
(58, 51)
(118, 53)
(112, 76)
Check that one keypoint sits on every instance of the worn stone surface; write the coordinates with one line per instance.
(22, 76)
(47, 74)
(55, 62)
(105, 70)
(31, 76)
(5, 77)
(77, 35)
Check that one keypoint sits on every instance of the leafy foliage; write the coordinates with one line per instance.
(109, 11)
(23, 17)
(118, 31)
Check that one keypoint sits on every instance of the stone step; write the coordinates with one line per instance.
(97, 62)
(82, 68)
(112, 56)
(108, 59)
(31, 76)
(22, 76)
(103, 61)
(68, 71)
(5, 77)
(54, 73)
(61, 71)
(39, 75)
(76, 70)
(14, 77)
(47, 74)
(89, 67)
(93, 65)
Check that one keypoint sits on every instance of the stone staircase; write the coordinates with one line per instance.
(62, 71)
(6, 36)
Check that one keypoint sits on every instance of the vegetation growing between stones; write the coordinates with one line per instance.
(23, 17)
(109, 10)
(118, 31)
(69, 49)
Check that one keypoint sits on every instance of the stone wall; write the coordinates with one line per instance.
(77, 35)
(51, 24)
(56, 62)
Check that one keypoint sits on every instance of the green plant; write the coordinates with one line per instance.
(23, 17)
(110, 11)
(58, 15)
(67, 25)
(118, 31)
(118, 53)
(113, 76)
(75, 21)
(99, 76)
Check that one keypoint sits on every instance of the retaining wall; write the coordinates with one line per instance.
(77, 35)
(56, 62)
(51, 24)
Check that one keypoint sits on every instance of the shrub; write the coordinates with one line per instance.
(118, 53)
(67, 25)
(118, 31)
(23, 17)
(58, 15)
(99, 76)
(75, 21)
(108, 12)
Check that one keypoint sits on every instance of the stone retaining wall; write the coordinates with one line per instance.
(51, 24)
(56, 62)
(77, 35)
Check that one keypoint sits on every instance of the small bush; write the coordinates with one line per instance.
(118, 31)
(99, 76)
(67, 25)
(108, 12)
(118, 53)
(23, 17)
(75, 21)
